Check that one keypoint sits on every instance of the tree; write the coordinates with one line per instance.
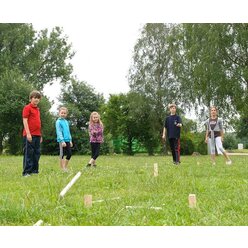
(119, 122)
(210, 62)
(28, 60)
(14, 93)
(151, 77)
(40, 57)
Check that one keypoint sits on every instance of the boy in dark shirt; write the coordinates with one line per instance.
(172, 128)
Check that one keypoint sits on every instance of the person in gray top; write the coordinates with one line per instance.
(215, 135)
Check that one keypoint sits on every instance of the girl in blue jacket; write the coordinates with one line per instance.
(63, 138)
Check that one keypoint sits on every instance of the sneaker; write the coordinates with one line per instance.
(26, 175)
(229, 162)
(94, 165)
(88, 165)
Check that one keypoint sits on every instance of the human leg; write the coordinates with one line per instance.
(219, 145)
(173, 150)
(211, 145)
(177, 150)
(36, 155)
(27, 157)
(95, 150)
(68, 155)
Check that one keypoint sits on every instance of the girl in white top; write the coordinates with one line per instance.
(214, 135)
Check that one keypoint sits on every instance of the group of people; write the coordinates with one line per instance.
(214, 134)
(32, 136)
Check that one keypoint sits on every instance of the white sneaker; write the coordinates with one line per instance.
(229, 162)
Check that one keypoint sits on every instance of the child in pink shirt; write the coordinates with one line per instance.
(96, 137)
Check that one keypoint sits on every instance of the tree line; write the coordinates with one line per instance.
(193, 65)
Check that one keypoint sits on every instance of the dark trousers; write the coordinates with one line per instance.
(31, 155)
(175, 149)
(95, 150)
(65, 150)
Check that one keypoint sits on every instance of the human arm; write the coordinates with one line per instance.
(179, 122)
(26, 127)
(222, 135)
(59, 132)
(164, 134)
(221, 129)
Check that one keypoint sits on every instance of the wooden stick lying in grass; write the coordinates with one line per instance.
(102, 200)
(133, 207)
(38, 223)
(68, 186)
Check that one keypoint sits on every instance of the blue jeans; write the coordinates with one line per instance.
(31, 155)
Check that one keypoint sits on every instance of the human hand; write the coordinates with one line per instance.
(63, 144)
(71, 144)
(29, 137)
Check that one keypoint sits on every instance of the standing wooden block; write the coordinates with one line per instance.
(88, 200)
(192, 200)
(155, 170)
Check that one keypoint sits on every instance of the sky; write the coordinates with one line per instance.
(103, 33)
(103, 54)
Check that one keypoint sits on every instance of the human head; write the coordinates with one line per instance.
(63, 111)
(34, 97)
(173, 108)
(95, 118)
(213, 111)
(35, 94)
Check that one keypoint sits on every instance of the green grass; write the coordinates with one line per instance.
(240, 151)
(221, 192)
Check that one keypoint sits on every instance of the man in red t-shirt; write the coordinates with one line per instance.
(31, 135)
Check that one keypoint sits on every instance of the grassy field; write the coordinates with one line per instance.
(121, 181)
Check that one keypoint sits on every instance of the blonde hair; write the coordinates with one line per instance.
(63, 108)
(91, 118)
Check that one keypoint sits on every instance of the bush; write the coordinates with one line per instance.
(230, 141)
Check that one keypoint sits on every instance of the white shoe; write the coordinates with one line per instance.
(229, 162)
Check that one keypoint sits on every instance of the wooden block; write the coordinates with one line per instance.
(88, 200)
(192, 200)
(155, 169)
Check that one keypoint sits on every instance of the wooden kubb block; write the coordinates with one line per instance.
(88, 200)
(155, 170)
(192, 200)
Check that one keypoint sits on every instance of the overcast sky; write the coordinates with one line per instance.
(103, 53)
(103, 33)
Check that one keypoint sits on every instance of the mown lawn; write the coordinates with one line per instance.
(122, 181)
